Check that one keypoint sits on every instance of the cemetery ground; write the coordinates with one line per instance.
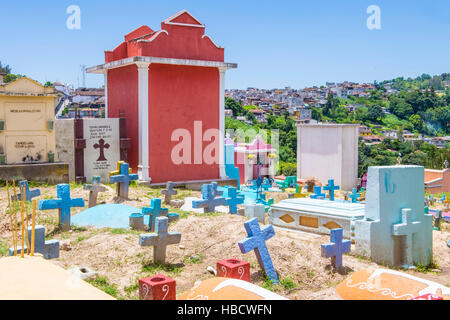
(119, 261)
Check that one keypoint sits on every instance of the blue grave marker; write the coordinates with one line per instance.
(154, 211)
(64, 203)
(29, 194)
(354, 195)
(216, 192)
(168, 192)
(233, 199)
(208, 202)
(336, 248)
(256, 241)
(318, 193)
(123, 179)
(330, 188)
(49, 249)
(160, 239)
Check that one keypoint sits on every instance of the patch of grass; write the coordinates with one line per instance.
(428, 268)
(268, 284)
(310, 274)
(78, 229)
(131, 288)
(195, 258)
(3, 249)
(79, 239)
(154, 268)
(103, 284)
(122, 231)
(288, 283)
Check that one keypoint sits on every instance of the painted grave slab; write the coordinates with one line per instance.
(385, 284)
(102, 147)
(313, 215)
(37, 279)
(219, 288)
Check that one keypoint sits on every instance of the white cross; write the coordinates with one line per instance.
(407, 228)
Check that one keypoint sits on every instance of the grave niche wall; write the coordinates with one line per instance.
(26, 130)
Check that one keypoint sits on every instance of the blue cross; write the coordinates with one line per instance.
(48, 248)
(256, 240)
(215, 191)
(208, 202)
(331, 187)
(233, 199)
(154, 211)
(354, 195)
(318, 193)
(160, 239)
(443, 198)
(123, 179)
(336, 248)
(29, 194)
(64, 203)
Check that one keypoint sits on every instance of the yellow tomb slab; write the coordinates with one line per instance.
(33, 278)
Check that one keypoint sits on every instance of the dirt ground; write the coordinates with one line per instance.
(119, 261)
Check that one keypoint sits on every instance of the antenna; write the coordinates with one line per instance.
(83, 72)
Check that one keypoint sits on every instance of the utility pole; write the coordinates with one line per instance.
(83, 72)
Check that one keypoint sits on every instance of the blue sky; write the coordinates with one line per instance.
(275, 43)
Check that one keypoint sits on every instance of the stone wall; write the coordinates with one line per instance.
(65, 144)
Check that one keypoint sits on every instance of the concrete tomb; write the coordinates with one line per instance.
(160, 239)
(63, 203)
(91, 146)
(29, 194)
(256, 241)
(140, 75)
(336, 248)
(34, 278)
(219, 288)
(395, 230)
(385, 284)
(256, 210)
(317, 216)
(328, 150)
(94, 189)
(27, 134)
(123, 180)
(48, 248)
(169, 192)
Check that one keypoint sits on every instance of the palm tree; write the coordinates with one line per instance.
(5, 69)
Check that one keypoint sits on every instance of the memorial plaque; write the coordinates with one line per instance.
(102, 147)
(25, 117)
(26, 148)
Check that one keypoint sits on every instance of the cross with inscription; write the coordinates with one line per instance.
(102, 146)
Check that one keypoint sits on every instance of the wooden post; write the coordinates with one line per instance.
(15, 216)
(33, 227)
